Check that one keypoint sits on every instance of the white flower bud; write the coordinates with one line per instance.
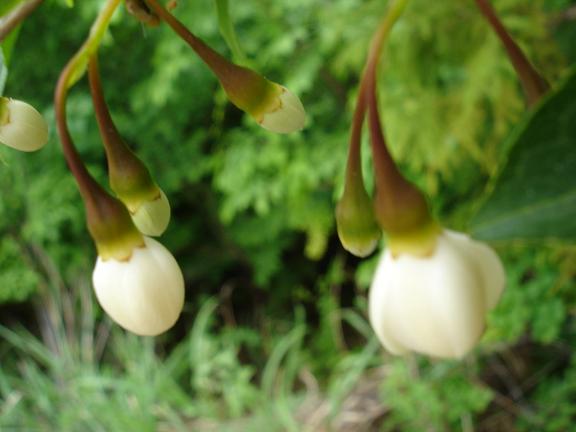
(144, 294)
(21, 126)
(288, 116)
(436, 305)
(152, 217)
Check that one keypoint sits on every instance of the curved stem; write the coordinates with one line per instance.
(16, 16)
(214, 60)
(534, 85)
(379, 149)
(114, 145)
(90, 190)
(229, 74)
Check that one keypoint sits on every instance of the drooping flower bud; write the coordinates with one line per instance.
(144, 293)
(357, 228)
(273, 106)
(435, 305)
(152, 217)
(21, 126)
(283, 114)
(129, 177)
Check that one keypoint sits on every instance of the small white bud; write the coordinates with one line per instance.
(436, 305)
(152, 217)
(21, 126)
(144, 294)
(288, 116)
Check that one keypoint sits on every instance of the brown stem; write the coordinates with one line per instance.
(387, 174)
(215, 61)
(534, 85)
(90, 190)
(19, 14)
(115, 147)
(139, 9)
(353, 168)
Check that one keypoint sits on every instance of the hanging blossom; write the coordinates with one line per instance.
(272, 105)
(129, 177)
(137, 281)
(433, 287)
(435, 304)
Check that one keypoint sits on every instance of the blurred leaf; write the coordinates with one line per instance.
(535, 195)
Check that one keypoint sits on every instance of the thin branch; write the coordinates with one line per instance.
(19, 14)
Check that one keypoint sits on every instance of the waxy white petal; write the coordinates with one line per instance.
(435, 305)
(288, 117)
(144, 294)
(152, 217)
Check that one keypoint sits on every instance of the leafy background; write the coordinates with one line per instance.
(274, 333)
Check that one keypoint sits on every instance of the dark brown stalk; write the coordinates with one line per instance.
(534, 85)
(15, 17)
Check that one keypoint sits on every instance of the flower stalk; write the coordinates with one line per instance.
(535, 86)
(108, 220)
(270, 104)
(129, 178)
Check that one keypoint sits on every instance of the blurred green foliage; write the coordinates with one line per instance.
(275, 317)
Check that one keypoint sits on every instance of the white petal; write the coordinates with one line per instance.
(26, 129)
(289, 117)
(152, 217)
(145, 294)
(434, 305)
(379, 302)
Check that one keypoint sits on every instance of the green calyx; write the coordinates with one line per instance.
(251, 92)
(112, 229)
(130, 179)
(356, 224)
(403, 213)
(132, 183)
(420, 241)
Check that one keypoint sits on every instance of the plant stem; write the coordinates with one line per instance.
(229, 74)
(114, 145)
(534, 85)
(354, 169)
(16, 16)
(90, 190)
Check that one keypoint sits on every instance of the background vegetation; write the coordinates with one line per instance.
(274, 333)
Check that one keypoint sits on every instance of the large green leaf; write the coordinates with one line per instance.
(534, 197)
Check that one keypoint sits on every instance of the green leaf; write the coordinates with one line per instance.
(534, 197)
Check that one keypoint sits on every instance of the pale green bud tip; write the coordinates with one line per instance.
(143, 294)
(357, 228)
(287, 115)
(359, 246)
(152, 217)
(21, 126)
(437, 304)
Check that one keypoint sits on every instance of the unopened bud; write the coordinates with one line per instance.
(144, 293)
(21, 126)
(151, 217)
(358, 230)
(437, 304)
(284, 114)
